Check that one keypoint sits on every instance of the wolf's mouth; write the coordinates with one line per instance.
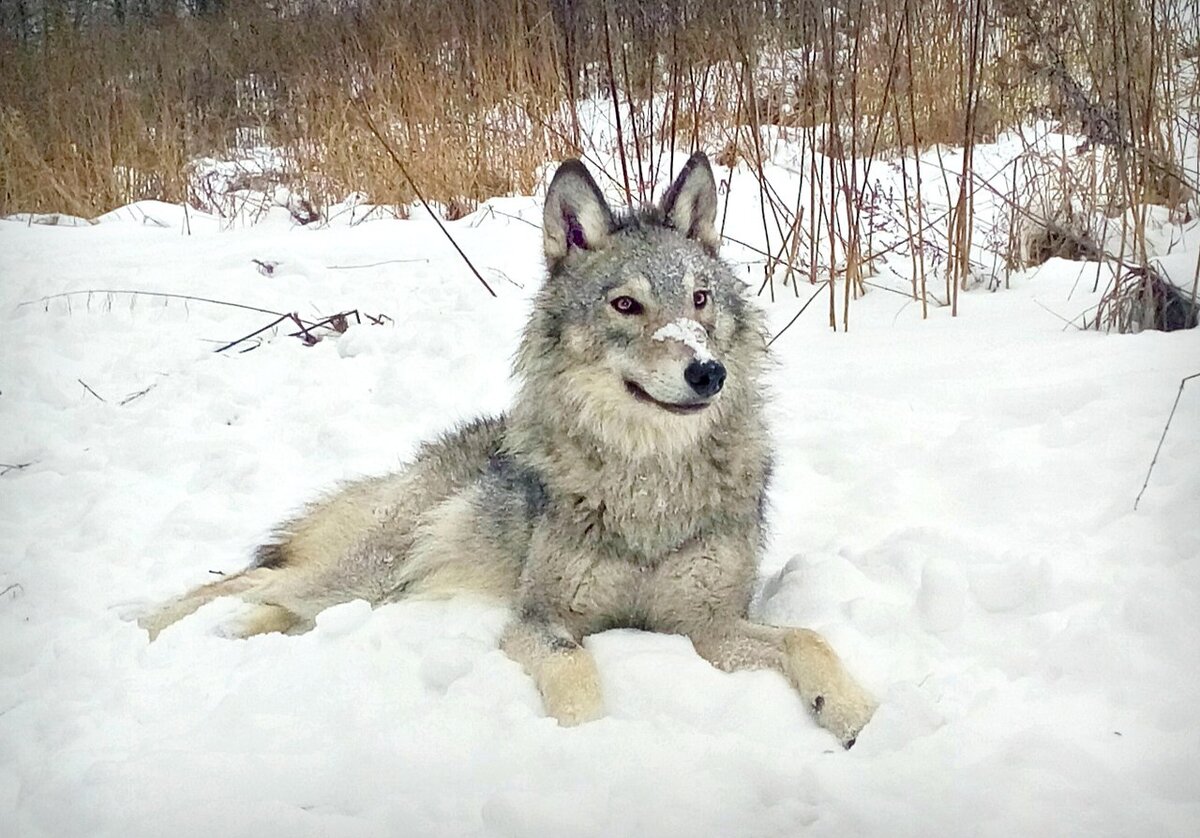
(642, 396)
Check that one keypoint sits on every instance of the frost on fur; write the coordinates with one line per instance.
(688, 332)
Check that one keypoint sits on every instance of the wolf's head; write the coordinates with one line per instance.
(641, 332)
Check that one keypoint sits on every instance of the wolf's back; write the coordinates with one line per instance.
(356, 543)
(384, 512)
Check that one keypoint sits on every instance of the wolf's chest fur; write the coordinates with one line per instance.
(643, 510)
(621, 542)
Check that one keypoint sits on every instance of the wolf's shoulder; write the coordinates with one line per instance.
(476, 441)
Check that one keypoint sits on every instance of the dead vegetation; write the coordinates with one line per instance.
(99, 109)
(308, 332)
(1141, 298)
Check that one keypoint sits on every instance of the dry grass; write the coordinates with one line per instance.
(95, 118)
(478, 96)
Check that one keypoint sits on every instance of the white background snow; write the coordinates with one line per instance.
(953, 509)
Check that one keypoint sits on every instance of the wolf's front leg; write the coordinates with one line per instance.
(563, 670)
(836, 700)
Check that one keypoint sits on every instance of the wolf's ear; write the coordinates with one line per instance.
(576, 215)
(690, 205)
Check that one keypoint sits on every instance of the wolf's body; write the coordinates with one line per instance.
(624, 488)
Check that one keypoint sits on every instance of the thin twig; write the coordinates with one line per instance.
(515, 218)
(612, 88)
(1182, 382)
(336, 322)
(391, 152)
(309, 339)
(138, 292)
(1056, 314)
(7, 467)
(373, 264)
(779, 334)
(90, 390)
(255, 333)
(134, 396)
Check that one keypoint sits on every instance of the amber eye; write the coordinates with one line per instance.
(627, 305)
(700, 299)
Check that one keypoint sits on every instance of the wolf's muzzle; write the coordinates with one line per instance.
(705, 377)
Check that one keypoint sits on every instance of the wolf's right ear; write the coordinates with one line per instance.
(576, 216)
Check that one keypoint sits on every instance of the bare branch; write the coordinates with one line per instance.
(90, 390)
(391, 152)
(1182, 382)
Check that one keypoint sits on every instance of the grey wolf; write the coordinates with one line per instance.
(625, 487)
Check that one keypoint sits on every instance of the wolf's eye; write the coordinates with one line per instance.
(700, 299)
(627, 305)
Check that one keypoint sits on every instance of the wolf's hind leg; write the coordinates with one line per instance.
(175, 610)
(813, 669)
(267, 619)
(564, 671)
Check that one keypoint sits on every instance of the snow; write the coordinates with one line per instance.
(952, 508)
(688, 332)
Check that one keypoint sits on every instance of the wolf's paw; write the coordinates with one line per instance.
(570, 691)
(837, 702)
(576, 710)
(844, 712)
(260, 619)
(153, 621)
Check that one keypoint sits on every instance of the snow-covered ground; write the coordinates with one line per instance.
(953, 508)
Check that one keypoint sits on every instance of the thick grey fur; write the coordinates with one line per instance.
(610, 495)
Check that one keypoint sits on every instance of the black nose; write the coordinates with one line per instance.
(706, 377)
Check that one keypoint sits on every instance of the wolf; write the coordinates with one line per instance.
(625, 487)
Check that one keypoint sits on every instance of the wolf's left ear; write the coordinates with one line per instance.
(690, 205)
(576, 216)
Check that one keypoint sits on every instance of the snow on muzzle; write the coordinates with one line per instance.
(704, 374)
